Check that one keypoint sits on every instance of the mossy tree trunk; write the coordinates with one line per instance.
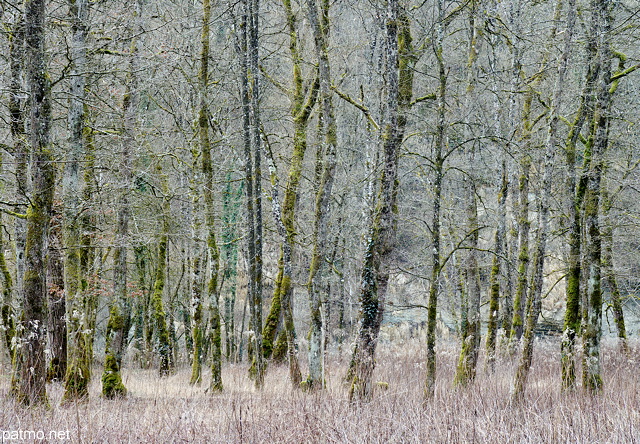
(57, 319)
(494, 278)
(319, 19)
(158, 314)
(303, 99)
(602, 22)
(197, 284)
(438, 169)
(247, 43)
(31, 388)
(119, 311)
(213, 253)
(576, 192)
(7, 321)
(466, 369)
(13, 289)
(534, 299)
(398, 72)
(524, 225)
(78, 371)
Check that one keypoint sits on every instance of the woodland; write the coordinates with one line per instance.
(228, 197)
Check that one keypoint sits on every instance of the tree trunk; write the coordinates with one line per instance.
(247, 50)
(381, 242)
(598, 141)
(32, 360)
(56, 323)
(524, 224)
(158, 314)
(13, 288)
(438, 162)
(197, 284)
(576, 193)
(213, 253)
(466, 370)
(231, 203)
(116, 336)
(609, 273)
(319, 18)
(534, 300)
(79, 371)
(494, 279)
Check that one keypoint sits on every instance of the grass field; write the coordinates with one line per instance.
(169, 410)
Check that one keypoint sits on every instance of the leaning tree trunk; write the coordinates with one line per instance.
(31, 387)
(301, 112)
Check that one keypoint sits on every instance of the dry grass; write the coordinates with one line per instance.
(170, 411)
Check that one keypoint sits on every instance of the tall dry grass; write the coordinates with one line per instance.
(168, 410)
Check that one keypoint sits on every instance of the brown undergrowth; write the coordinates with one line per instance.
(169, 410)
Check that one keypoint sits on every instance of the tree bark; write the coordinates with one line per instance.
(597, 142)
(534, 300)
(56, 323)
(381, 243)
(438, 161)
(494, 279)
(79, 371)
(319, 18)
(32, 366)
(213, 253)
(116, 337)
(247, 43)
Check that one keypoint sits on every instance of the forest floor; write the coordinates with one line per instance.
(169, 410)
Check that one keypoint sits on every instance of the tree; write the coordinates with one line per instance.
(319, 18)
(79, 368)
(32, 362)
(116, 336)
(247, 45)
(213, 254)
(534, 303)
(380, 244)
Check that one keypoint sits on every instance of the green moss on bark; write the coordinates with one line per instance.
(112, 386)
